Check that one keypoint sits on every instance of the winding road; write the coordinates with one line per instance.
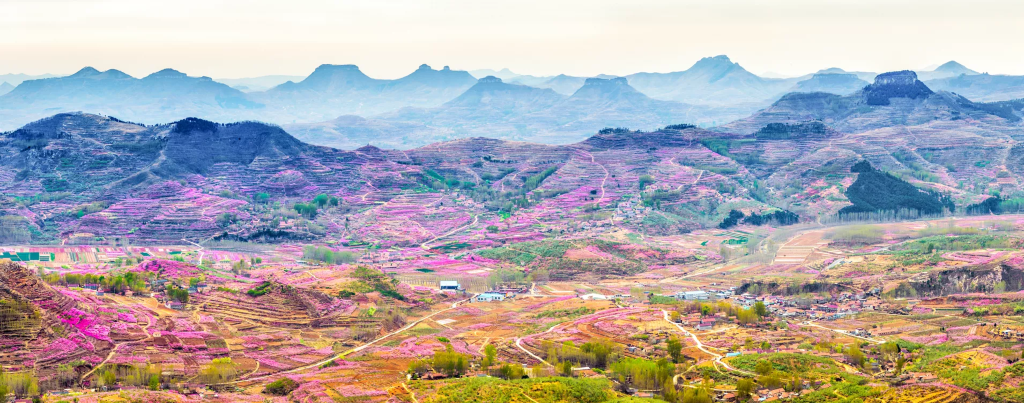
(700, 346)
(520, 346)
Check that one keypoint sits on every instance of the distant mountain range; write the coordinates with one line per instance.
(334, 90)
(894, 99)
(429, 105)
(711, 81)
(166, 94)
(254, 84)
(833, 83)
(949, 69)
(493, 108)
(79, 176)
(16, 79)
(982, 87)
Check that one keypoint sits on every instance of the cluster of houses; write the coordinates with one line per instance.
(592, 227)
(702, 295)
(499, 292)
(818, 308)
(633, 208)
(376, 256)
(824, 307)
(161, 284)
(696, 321)
(1008, 332)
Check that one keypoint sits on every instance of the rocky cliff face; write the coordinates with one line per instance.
(970, 279)
(896, 84)
(905, 77)
(490, 80)
(605, 82)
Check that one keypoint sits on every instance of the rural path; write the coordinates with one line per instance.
(520, 346)
(350, 351)
(201, 251)
(145, 329)
(426, 245)
(603, 180)
(844, 333)
(700, 173)
(700, 346)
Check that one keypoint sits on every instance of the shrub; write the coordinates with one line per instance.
(281, 387)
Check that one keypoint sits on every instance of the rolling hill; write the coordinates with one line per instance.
(77, 176)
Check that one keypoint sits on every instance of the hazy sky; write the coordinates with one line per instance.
(389, 38)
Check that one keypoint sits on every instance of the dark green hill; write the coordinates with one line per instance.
(875, 191)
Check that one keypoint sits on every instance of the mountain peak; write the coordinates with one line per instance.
(89, 72)
(336, 78)
(86, 72)
(425, 75)
(712, 62)
(955, 68)
(167, 73)
(490, 80)
(426, 67)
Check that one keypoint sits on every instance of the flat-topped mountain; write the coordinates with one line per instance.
(895, 98)
(897, 84)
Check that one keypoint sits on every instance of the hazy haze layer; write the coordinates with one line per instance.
(583, 38)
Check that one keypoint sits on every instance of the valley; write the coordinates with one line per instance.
(356, 330)
(698, 236)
